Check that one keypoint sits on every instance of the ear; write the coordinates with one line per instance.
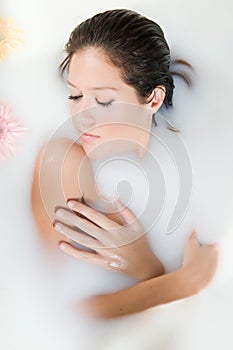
(157, 97)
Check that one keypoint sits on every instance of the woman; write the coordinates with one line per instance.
(116, 58)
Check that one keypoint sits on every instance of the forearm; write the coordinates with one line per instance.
(144, 295)
(150, 267)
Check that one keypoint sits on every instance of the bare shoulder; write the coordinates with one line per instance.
(60, 148)
(59, 174)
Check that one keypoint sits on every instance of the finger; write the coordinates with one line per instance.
(81, 223)
(93, 215)
(77, 236)
(127, 215)
(78, 253)
(212, 245)
(215, 245)
(82, 255)
(192, 240)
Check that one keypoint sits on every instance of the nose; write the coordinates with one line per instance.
(84, 119)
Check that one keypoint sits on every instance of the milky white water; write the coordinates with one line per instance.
(38, 291)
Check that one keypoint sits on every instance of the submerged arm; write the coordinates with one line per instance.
(199, 266)
(144, 295)
(54, 181)
(60, 168)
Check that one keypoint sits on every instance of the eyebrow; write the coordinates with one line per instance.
(95, 87)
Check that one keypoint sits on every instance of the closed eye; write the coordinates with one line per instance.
(74, 97)
(104, 104)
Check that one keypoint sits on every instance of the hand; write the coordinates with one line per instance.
(199, 263)
(123, 248)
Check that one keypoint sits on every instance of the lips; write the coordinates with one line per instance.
(89, 138)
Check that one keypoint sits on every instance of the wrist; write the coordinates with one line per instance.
(188, 283)
(151, 268)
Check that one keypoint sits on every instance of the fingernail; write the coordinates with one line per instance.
(194, 234)
(71, 204)
(58, 227)
(62, 246)
(59, 213)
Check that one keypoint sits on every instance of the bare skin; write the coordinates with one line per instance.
(52, 169)
(199, 267)
(55, 181)
(117, 246)
(199, 263)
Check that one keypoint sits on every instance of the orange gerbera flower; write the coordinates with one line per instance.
(10, 37)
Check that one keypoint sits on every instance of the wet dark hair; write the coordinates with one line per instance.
(135, 45)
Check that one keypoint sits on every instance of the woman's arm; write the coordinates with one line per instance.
(199, 267)
(142, 296)
(63, 171)
(55, 179)
(123, 247)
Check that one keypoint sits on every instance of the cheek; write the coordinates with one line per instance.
(123, 131)
(73, 109)
(109, 132)
(70, 108)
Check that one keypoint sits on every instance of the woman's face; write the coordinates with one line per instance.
(102, 105)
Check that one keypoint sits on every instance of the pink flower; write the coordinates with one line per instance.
(9, 129)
